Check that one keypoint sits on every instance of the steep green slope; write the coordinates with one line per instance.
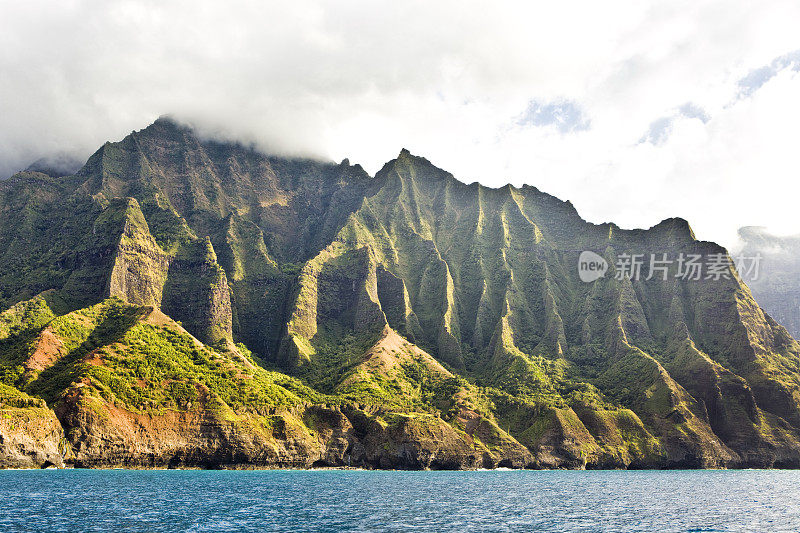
(425, 322)
(132, 387)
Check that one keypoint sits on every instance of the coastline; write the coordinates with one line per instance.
(245, 467)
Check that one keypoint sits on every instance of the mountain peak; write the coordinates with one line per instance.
(166, 125)
(61, 164)
(675, 228)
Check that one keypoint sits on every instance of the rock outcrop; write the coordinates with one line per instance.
(30, 434)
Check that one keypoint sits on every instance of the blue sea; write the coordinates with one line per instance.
(351, 500)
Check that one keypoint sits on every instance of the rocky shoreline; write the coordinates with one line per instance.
(343, 437)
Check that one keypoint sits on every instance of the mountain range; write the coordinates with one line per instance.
(775, 283)
(184, 302)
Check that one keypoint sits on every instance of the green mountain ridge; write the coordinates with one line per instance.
(180, 302)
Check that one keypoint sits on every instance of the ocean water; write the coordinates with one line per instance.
(339, 500)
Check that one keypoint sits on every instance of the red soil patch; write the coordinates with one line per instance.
(49, 349)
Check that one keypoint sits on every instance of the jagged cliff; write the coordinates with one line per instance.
(180, 302)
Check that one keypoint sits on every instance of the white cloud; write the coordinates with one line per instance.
(453, 81)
